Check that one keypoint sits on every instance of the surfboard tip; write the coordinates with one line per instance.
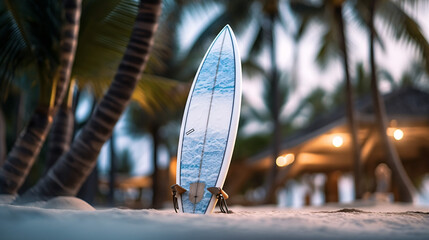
(228, 27)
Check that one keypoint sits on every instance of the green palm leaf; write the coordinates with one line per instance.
(157, 94)
(29, 34)
(403, 27)
(105, 30)
(103, 39)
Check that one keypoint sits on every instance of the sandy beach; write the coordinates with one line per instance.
(355, 221)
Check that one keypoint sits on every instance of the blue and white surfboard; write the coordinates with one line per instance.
(209, 125)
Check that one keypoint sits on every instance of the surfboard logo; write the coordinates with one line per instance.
(190, 131)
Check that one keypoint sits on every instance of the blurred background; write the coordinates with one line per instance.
(310, 130)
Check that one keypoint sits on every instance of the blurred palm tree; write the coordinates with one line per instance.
(264, 17)
(170, 95)
(262, 115)
(406, 28)
(414, 76)
(168, 107)
(397, 21)
(105, 30)
(52, 62)
(114, 19)
(330, 12)
(68, 174)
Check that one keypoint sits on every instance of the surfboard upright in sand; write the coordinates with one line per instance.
(209, 125)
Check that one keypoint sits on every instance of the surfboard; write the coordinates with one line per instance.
(209, 125)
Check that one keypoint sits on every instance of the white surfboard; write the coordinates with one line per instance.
(209, 125)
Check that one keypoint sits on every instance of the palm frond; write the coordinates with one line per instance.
(305, 8)
(414, 4)
(156, 94)
(191, 6)
(328, 49)
(29, 33)
(359, 15)
(252, 68)
(387, 76)
(258, 43)
(404, 28)
(282, 91)
(362, 81)
(105, 30)
(416, 75)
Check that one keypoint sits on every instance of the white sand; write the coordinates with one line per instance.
(392, 221)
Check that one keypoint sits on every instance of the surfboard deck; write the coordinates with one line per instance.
(209, 125)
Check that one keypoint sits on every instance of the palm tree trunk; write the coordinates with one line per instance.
(351, 112)
(62, 131)
(274, 82)
(68, 174)
(2, 138)
(68, 44)
(28, 145)
(406, 188)
(24, 152)
(157, 198)
(112, 171)
(61, 135)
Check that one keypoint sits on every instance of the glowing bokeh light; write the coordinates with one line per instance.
(283, 161)
(398, 134)
(337, 141)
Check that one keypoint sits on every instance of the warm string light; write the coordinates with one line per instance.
(396, 133)
(284, 160)
(337, 141)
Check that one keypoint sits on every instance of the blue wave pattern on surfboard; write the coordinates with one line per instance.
(211, 106)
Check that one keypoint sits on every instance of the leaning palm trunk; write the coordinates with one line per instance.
(67, 175)
(406, 188)
(24, 152)
(351, 118)
(61, 135)
(28, 145)
(69, 38)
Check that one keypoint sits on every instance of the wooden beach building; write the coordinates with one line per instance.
(324, 145)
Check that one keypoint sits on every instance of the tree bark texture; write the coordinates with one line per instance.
(68, 44)
(28, 145)
(61, 135)
(24, 152)
(68, 174)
